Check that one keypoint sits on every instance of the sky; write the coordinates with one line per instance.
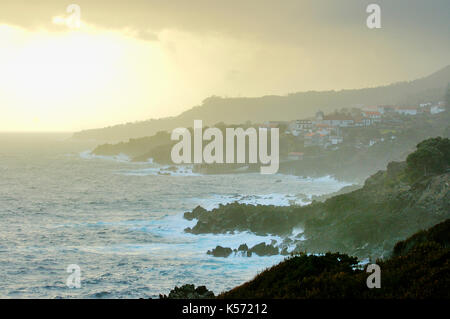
(134, 60)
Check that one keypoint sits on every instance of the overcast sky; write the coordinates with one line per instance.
(166, 56)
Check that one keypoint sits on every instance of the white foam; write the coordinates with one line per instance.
(172, 240)
(166, 170)
(297, 231)
(275, 199)
(118, 158)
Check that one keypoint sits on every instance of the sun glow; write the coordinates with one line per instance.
(60, 67)
(60, 80)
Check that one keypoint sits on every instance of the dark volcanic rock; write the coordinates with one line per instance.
(220, 251)
(262, 249)
(261, 220)
(243, 247)
(189, 292)
(365, 222)
(195, 213)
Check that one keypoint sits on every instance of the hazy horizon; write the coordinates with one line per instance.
(152, 59)
(144, 119)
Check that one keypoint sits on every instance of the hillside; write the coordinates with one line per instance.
(354, 160)
(384, 223)
(422, 271)
(293, 106)
(392, 205)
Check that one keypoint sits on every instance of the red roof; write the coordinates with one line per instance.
(372, 113)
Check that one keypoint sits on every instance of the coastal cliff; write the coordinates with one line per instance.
(392, 205)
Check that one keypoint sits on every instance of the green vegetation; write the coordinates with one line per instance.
(419, 268)
(439, 234)
(364, 222)
(354, 160)
(432, 157)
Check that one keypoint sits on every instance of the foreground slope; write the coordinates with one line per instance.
(420, 271)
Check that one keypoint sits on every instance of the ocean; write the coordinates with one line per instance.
(121, 222)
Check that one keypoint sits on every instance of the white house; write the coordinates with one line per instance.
(406, 110)
(375, 116)
(336, 139)
(435, 109)
(341, 120)
(298, 126)
(363, 121)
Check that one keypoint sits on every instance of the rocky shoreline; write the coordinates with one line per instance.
(261, 249)
(369, 223)
(366, 222)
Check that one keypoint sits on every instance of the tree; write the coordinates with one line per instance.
(443, 144)
(425, 159)
(431, 157)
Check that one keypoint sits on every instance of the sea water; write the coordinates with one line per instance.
(121, 222)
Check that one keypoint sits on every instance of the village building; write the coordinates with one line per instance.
(422, 105)
(435, 109)
(372, 108)
(406, 110)
(334, 140)
(361, 121)
(341, 120)
(373, 116)
(297, 127)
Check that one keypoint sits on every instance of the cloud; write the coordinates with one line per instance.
(289, 21)
(254, 47)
